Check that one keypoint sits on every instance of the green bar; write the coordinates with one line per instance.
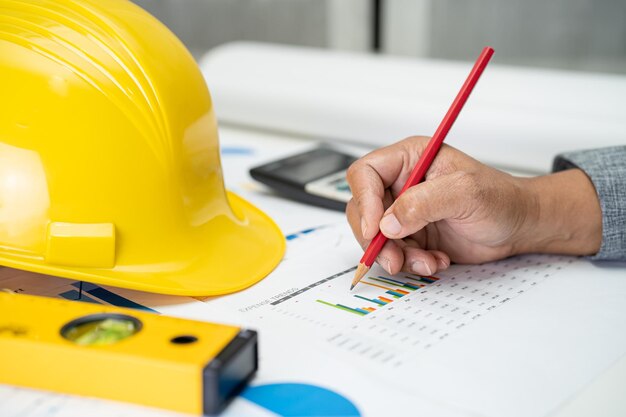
(421, 279)
(394, 283)
(348, 309)
(384, 281)
(395, 294)
(391, 280)
(380, 303)
(411, 287)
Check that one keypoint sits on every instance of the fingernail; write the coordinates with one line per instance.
(420, 267)
(363, 227)
(442, 264)
(390, 225)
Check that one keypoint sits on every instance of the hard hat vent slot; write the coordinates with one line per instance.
(81, 244)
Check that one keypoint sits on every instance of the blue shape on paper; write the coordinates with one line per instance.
(236, 150)
(301, 400)
(110, 297)
(302, 232)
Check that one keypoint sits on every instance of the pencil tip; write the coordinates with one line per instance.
(361, 270)
(351, 287)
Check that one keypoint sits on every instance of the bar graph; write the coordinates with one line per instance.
(415, 313)
(356, 310)
(386, 321)
(393, 288)
(329, 303)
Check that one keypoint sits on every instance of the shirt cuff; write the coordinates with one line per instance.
(606, 168)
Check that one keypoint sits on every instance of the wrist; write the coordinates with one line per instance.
(563, 215)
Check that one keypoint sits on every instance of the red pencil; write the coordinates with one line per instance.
(422, 166)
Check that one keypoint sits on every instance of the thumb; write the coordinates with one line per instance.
(441, 198)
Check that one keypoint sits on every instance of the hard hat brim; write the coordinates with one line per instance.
(247, 251)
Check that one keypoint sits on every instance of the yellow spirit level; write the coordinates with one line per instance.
(122, 354)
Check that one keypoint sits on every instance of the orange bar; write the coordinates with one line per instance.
(369, 308)
(379, 286)
(387, 300)
(401, 291)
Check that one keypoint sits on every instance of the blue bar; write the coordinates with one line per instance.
(391, 280)
(415, 287)
(395, 294)
(358, 310)
(111, 298)
(384, 280)
(382, 303)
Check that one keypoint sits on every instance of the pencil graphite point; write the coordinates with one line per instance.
(361, 270)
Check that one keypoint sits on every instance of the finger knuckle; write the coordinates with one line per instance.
(355, 170)
(406, 209)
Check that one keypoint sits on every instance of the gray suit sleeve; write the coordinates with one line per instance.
(606, 167)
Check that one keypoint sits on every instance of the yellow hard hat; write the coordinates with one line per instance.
(109, 156)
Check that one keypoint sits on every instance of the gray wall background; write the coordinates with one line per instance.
(568, 34)
(576, 34)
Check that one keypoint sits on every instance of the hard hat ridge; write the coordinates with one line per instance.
(107, 122)
(90, 46)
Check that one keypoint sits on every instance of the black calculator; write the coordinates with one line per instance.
(315, 177)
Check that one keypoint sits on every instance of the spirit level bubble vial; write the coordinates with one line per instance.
(121, 354)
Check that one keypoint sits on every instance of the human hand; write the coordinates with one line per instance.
(465, 211)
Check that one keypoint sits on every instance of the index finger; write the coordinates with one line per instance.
(370, 176)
